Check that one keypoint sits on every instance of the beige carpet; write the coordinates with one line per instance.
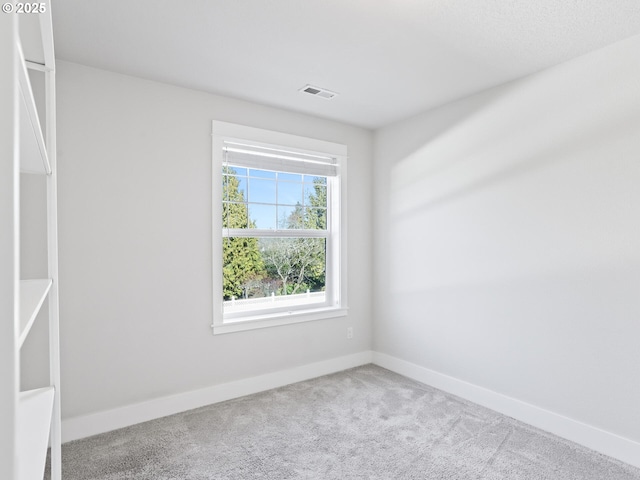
(364, 423)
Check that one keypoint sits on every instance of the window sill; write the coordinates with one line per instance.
(277, 319)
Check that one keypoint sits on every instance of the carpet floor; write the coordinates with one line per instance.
(364, 423)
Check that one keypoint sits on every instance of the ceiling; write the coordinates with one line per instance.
(388, 59)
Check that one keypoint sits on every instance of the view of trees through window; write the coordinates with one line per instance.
(259, 201)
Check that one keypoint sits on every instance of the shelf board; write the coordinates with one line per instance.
(33, 151)
(32, 295)
(35, 408)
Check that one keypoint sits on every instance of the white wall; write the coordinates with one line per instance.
(507, 231)
(135, 244)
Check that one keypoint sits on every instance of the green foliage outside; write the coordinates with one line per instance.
(241, 258)
(296, 263)
(316, 218)
(255, 267)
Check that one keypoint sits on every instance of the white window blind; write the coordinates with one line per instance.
(266, 158)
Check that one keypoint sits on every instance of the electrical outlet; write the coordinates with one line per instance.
(349, 333)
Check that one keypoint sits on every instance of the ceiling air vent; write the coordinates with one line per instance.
(318, 92)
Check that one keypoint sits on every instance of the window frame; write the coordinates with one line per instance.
(335, 304)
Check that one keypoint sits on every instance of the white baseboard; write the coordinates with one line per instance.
(592, 437)
(589, 436)
(86, 425)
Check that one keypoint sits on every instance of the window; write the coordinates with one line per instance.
(277, 228)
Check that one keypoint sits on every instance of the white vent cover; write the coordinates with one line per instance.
(318, 92)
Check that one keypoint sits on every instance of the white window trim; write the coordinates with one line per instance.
(228, 132)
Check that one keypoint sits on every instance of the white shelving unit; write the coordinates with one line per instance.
(30, 419)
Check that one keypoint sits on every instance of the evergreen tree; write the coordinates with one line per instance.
(241, 258)
(316, 218)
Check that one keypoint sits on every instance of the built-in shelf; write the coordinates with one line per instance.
(33, 151)
(30, 425)
(34, 420)
(32, 295)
